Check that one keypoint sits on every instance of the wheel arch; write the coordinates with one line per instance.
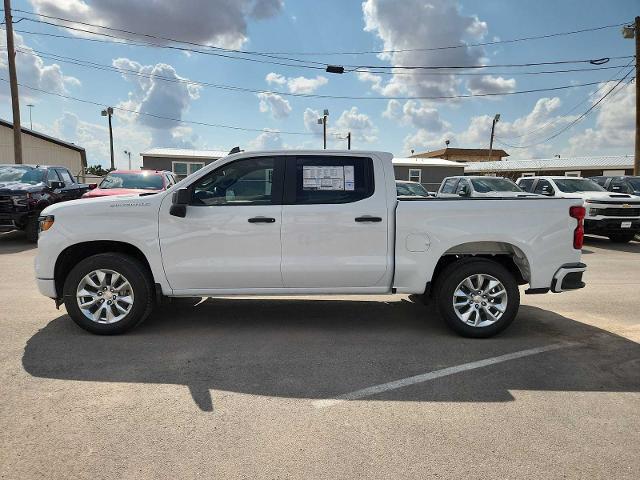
(75, 253)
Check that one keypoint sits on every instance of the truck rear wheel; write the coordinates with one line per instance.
(108, 293)
(621, 237)
(477, 297)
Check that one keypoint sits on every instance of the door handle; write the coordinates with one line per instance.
(261, 220)
(368, 218)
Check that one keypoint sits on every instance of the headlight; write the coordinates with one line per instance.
(46, 222)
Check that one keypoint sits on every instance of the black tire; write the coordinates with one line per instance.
(455, 273)
(621, 237)
(139, 278)
(31, 230)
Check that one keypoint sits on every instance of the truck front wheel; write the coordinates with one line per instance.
(477, 297)
(108, 293)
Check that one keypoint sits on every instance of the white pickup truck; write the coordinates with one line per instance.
(305, 223)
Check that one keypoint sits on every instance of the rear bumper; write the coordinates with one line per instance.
(47, 287)
(568, 277)
(612, 225)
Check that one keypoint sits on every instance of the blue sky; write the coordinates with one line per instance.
(305, 26)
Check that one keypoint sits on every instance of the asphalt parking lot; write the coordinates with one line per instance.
(359, 387)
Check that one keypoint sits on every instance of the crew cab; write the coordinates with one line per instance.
(25, 190)
(620, 184)
(613, 215)
(123, 182)
(479, 186)
(310, 222)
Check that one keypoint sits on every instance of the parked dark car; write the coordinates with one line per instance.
(25, 190)
(621, 184)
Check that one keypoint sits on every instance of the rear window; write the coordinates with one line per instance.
(139, 181)
(321, 180)
(485, 185)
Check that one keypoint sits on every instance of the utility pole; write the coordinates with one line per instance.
(633, 31)
(127, 152)
(108, 112)
(30, 105)
(13, 81)
(496, 119)
(323, 121)
(349, 141)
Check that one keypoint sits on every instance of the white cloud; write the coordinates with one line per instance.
(34, 72)
(267, 140)
(419, 25)
(614, 130)
(274, 103)
(297, 84)
(359, 124)
(417, 114)
(490, 84)
(543, 119)
(215, 22)
(158, 98)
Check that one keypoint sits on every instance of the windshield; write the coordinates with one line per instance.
(411, 189)
(141, 181)
(485, 185)
(635, 183)
(28, 175)
(573, 185)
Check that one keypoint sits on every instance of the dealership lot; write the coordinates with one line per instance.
(324, 388)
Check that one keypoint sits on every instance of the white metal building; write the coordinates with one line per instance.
(41, 149)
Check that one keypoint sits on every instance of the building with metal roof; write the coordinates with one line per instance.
(428, 171)
(180, 161)
(571, 166)
(463, 154)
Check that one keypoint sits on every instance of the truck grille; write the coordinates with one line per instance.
(6, 204)
(621, 212)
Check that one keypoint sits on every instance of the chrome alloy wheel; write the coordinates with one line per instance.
(104, 296)
(480, 300)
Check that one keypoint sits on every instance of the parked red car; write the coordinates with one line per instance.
(121, 182)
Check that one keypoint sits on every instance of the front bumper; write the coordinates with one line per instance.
(47, 287)
(612, 225)
(12, 221)
(568, 277)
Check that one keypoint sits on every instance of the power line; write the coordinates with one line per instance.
(434, 73)
(121, 70)
(162, 117)
(365, 52)
(302, 63)
(577, 120)
(545, 125)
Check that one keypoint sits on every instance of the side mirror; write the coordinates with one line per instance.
(92, 186)
(464, 192)
(55, 185)
(180, 200)
(616, 188)
(546, 191)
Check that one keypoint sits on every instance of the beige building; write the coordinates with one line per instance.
(41, 149)
(464, 154)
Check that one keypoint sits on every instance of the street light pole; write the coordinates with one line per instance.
(13, 83)
(496, 119)
(30, 105)
(349, 141)
(127, 152)
(323, 121)
(108, 112)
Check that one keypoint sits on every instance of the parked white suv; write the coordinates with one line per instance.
(305, 223)
(480, 186)
(613, 215)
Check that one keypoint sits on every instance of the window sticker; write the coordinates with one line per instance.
(327, 178)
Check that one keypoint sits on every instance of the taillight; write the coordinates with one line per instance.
(578, 234)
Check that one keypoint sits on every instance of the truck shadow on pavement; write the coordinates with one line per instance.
(15, 242)
(318, 349)
(633, 246)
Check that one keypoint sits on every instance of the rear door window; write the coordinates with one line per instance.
(526, 184)
(449, 185)
(328, 180)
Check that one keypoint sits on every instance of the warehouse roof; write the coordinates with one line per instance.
(579, 163)
(183, 153)
(426, 162)
(472, 152)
